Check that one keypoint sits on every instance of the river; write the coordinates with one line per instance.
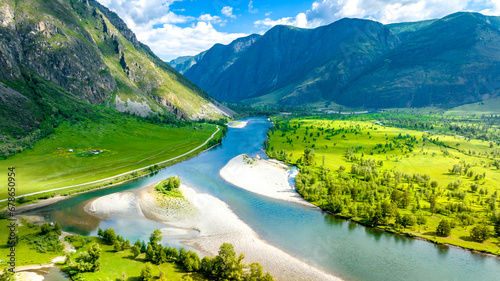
(340, 247)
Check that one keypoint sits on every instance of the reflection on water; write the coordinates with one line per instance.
(343, 248)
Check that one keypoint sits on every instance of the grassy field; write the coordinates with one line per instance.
(89, 151)
(359, 165)
(114, 264)
(25, 254)
(491, 106)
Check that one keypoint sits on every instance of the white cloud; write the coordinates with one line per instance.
(493, 8)
(228, 12)
(300, 21)
(210, 18)
(170, 41)
(251, 9)
(386, 11)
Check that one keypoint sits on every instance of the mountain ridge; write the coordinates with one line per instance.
(89, 51)
(354, 77)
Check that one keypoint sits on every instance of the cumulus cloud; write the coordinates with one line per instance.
(386, 11)
(171, 41)
(228, 12)
(155, 24)
(300, 21)
(493, 8)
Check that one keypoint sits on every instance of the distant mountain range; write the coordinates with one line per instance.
(58, 57)
(358, 63)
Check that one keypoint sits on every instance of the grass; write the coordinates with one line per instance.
(114, 264)
(99, 150)
(400, 151)
(24, 254)
(491, 106)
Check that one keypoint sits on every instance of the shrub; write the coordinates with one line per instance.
(444, 228)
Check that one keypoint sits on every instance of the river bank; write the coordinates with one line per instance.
(215, 223)
(265, 177)
(39, 203)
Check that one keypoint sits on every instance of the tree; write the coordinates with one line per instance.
(109, 236)
(100, 233)
(58, 228)
(207, 266)
(227, 265)
(146, 272)
(126, 244)
(89, 261)
(444, 228)
(45, 228)
(117, 246)
(257, 273)
(308, 157)
(155, 237)
(408, 220)
(172, 253)
(480, 233)
(135, 251)
(497, 226)
(377, 216)
(433, 202)
(150, 253)
(191, 261)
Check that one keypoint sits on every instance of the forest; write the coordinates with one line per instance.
(432, 176)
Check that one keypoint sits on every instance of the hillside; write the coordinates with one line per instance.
(360, 63)
(291, 65)
(453, 61)
(59, 58)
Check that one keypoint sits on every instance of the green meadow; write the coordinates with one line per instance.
(404, 173)
(114, 264)
(88, 151)
(26, 254)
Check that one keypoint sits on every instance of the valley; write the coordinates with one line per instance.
(303, 148)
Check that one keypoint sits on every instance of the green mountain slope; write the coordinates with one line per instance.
(291, 65)
(359, 63)
(88, 51)
(453, 61)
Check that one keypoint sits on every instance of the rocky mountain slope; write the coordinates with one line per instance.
(85, 52)
(360, 63)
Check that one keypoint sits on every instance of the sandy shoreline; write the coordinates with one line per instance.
(264, 177)
(215, 223)
(238, 124)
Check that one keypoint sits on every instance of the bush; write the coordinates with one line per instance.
(444, 228)
(146, 272)
(480, 233)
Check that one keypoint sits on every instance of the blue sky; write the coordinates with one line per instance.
(174, 28)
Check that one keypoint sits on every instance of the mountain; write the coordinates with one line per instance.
(453, 61)
(62, 56)
(360, 63)
(182, 64)
(291, 65)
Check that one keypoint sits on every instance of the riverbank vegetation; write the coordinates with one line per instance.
(110, 256)
(170, 187)
(88, 151)
(36, 243)
(414, 174)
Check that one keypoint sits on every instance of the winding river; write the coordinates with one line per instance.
(340, 247)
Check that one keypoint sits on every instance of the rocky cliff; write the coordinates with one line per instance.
(87, 50)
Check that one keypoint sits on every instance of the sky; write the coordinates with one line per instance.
(174, 28)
